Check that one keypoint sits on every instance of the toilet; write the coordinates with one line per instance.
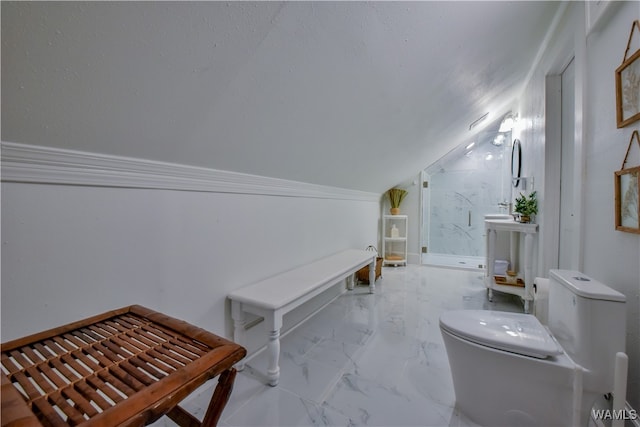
(509, 369)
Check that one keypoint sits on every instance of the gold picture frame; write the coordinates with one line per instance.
(627, 194)
(628, 85)
(627, 205)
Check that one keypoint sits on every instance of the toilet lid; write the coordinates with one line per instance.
(513, 332)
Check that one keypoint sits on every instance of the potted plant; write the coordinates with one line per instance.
(526, 206)
(396, 195)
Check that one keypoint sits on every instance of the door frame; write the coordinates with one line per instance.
(575, 50)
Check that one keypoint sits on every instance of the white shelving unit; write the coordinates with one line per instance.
(492, 227)
(394, 244)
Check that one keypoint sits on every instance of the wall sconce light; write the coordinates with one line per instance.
(508, 122)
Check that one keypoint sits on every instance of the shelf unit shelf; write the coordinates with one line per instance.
(394, 239)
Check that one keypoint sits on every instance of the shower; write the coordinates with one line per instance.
(458, 191)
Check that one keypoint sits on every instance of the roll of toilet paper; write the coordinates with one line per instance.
(500, 267)
(541, 299)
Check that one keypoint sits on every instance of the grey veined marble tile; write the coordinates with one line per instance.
(365, 359)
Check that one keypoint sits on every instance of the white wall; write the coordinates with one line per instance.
(71, 251)
(601, 252)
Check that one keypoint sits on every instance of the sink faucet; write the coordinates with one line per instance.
(505, 205)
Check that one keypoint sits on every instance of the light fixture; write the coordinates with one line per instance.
(469, 146)
(508, 122)
(498, 141)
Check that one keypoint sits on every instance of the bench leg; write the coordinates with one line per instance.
(350, 281)
(273, 348)
(372, 277)
(239, 322)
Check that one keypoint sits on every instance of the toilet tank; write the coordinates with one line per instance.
(588, 320)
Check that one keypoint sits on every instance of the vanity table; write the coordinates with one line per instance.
(516, 229)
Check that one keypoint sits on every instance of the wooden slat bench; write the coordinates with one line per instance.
(272, 298)
(126, 367)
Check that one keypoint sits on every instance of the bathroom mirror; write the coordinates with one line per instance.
(516, 162)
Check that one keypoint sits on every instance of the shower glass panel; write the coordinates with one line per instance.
(462, 188)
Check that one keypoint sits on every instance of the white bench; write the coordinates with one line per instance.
(272, 298)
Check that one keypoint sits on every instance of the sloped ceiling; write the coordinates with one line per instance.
(357, 95)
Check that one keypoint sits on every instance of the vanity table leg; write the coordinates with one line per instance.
(491, 258)
(528, 280)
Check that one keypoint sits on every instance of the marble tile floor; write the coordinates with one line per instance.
(365, 359)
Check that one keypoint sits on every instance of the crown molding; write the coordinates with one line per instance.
(46, 165)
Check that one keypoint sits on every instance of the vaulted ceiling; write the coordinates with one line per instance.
(358, 95)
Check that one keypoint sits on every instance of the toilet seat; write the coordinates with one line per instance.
(513, 332)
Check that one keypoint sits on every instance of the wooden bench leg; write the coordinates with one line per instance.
(220, 398)
(216, 405)
(183, 418)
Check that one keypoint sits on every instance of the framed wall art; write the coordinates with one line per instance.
(628, 84)
(627, 194)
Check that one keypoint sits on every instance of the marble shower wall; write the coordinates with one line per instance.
(461, 192)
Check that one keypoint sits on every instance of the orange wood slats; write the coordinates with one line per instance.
(31, 355)
(99, 385)
(67, 375)
(164, 359)
(118, 385)
(141, 364)
(40, 380)
(128, 344)
(137, 373)
(74, 340)
(175, 339)
(74, 415)
(91, 335)
(163, 368)
(72, 361)
(132, 321)
(50, 414)
(138, 337)
(119, 325)
(46, 352)
(81, 404)
(55, 347)
(168, 352)
(124, 377)
(96, 355)
(29, 388)
(8, 364)
(91, 395)
(20, 360)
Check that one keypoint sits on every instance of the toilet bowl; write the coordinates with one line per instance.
(509, 369)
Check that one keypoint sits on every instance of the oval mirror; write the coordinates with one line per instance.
(516, 162)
